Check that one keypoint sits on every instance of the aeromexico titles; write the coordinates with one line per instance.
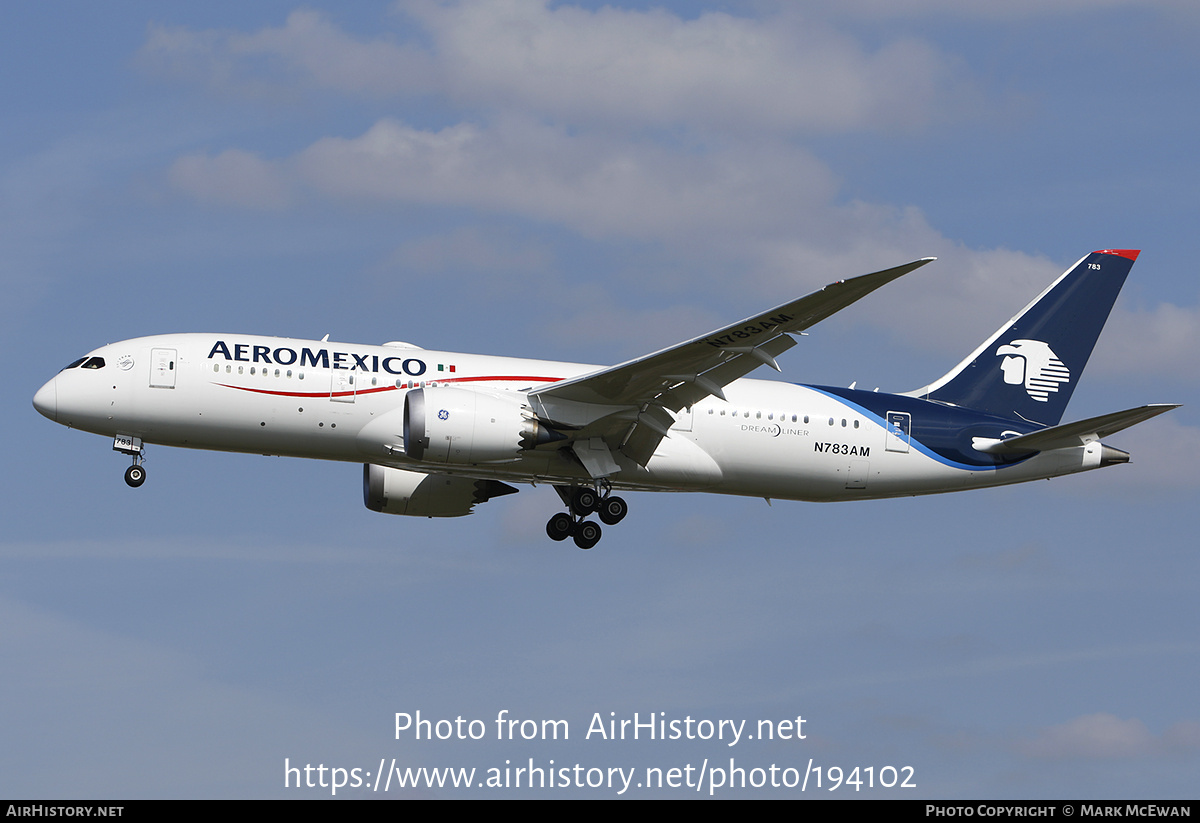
(439, 433)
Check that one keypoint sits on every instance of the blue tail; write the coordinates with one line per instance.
(1028, 369)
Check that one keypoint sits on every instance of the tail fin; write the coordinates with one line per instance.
(1028, 369)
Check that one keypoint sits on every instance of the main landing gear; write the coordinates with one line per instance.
(583, 501)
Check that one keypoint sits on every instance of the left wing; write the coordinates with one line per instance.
(629, 406)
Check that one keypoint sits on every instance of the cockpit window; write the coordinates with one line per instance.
(78, 362)
(93, 363)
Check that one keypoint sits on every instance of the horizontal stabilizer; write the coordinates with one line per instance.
(1073, 434)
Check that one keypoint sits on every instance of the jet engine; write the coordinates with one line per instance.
(459, 426)
(396, 491)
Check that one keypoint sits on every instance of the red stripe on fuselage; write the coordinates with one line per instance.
(507, 378)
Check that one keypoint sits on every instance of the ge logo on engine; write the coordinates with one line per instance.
(443, 415)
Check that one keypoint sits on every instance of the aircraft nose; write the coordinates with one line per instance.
(46, 399)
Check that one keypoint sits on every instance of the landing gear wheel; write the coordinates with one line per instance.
(560, 526)
(613, 510)
(587, 534)
(135, 476)
(584, 502)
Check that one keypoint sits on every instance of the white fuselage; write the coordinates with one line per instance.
(334, 401)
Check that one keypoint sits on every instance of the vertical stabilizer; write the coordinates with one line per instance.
(1029, 368)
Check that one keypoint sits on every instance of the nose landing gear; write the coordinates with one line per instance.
(582, 501)
(135, 475)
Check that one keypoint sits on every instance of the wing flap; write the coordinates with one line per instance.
(686, 389)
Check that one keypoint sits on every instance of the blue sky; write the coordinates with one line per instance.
(588, 182)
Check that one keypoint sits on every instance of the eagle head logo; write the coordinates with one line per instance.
(1034, 365)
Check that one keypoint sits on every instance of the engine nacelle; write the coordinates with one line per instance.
(464, 426)
(396, 491)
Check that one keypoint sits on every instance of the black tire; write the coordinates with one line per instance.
(135, 476)
(613, 510)
(560, 526)
(587, 534)
(584, 501)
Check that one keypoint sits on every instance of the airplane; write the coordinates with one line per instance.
(440, 432)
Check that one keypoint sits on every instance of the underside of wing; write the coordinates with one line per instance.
(629, 407)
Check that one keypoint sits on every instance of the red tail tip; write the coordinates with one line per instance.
(1130, 253)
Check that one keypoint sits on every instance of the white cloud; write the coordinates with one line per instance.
(948, 307)
(1103, 735)
(233, 177)
(1163, 340)
(765, 210)
(781, 73)
(751, 202)
(586, 316)
(333, 59)
(472, 248)
(597, 186)
(308, 50)
(567, 81)
(1164, 455)
(963, 297)
(1016, 10)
